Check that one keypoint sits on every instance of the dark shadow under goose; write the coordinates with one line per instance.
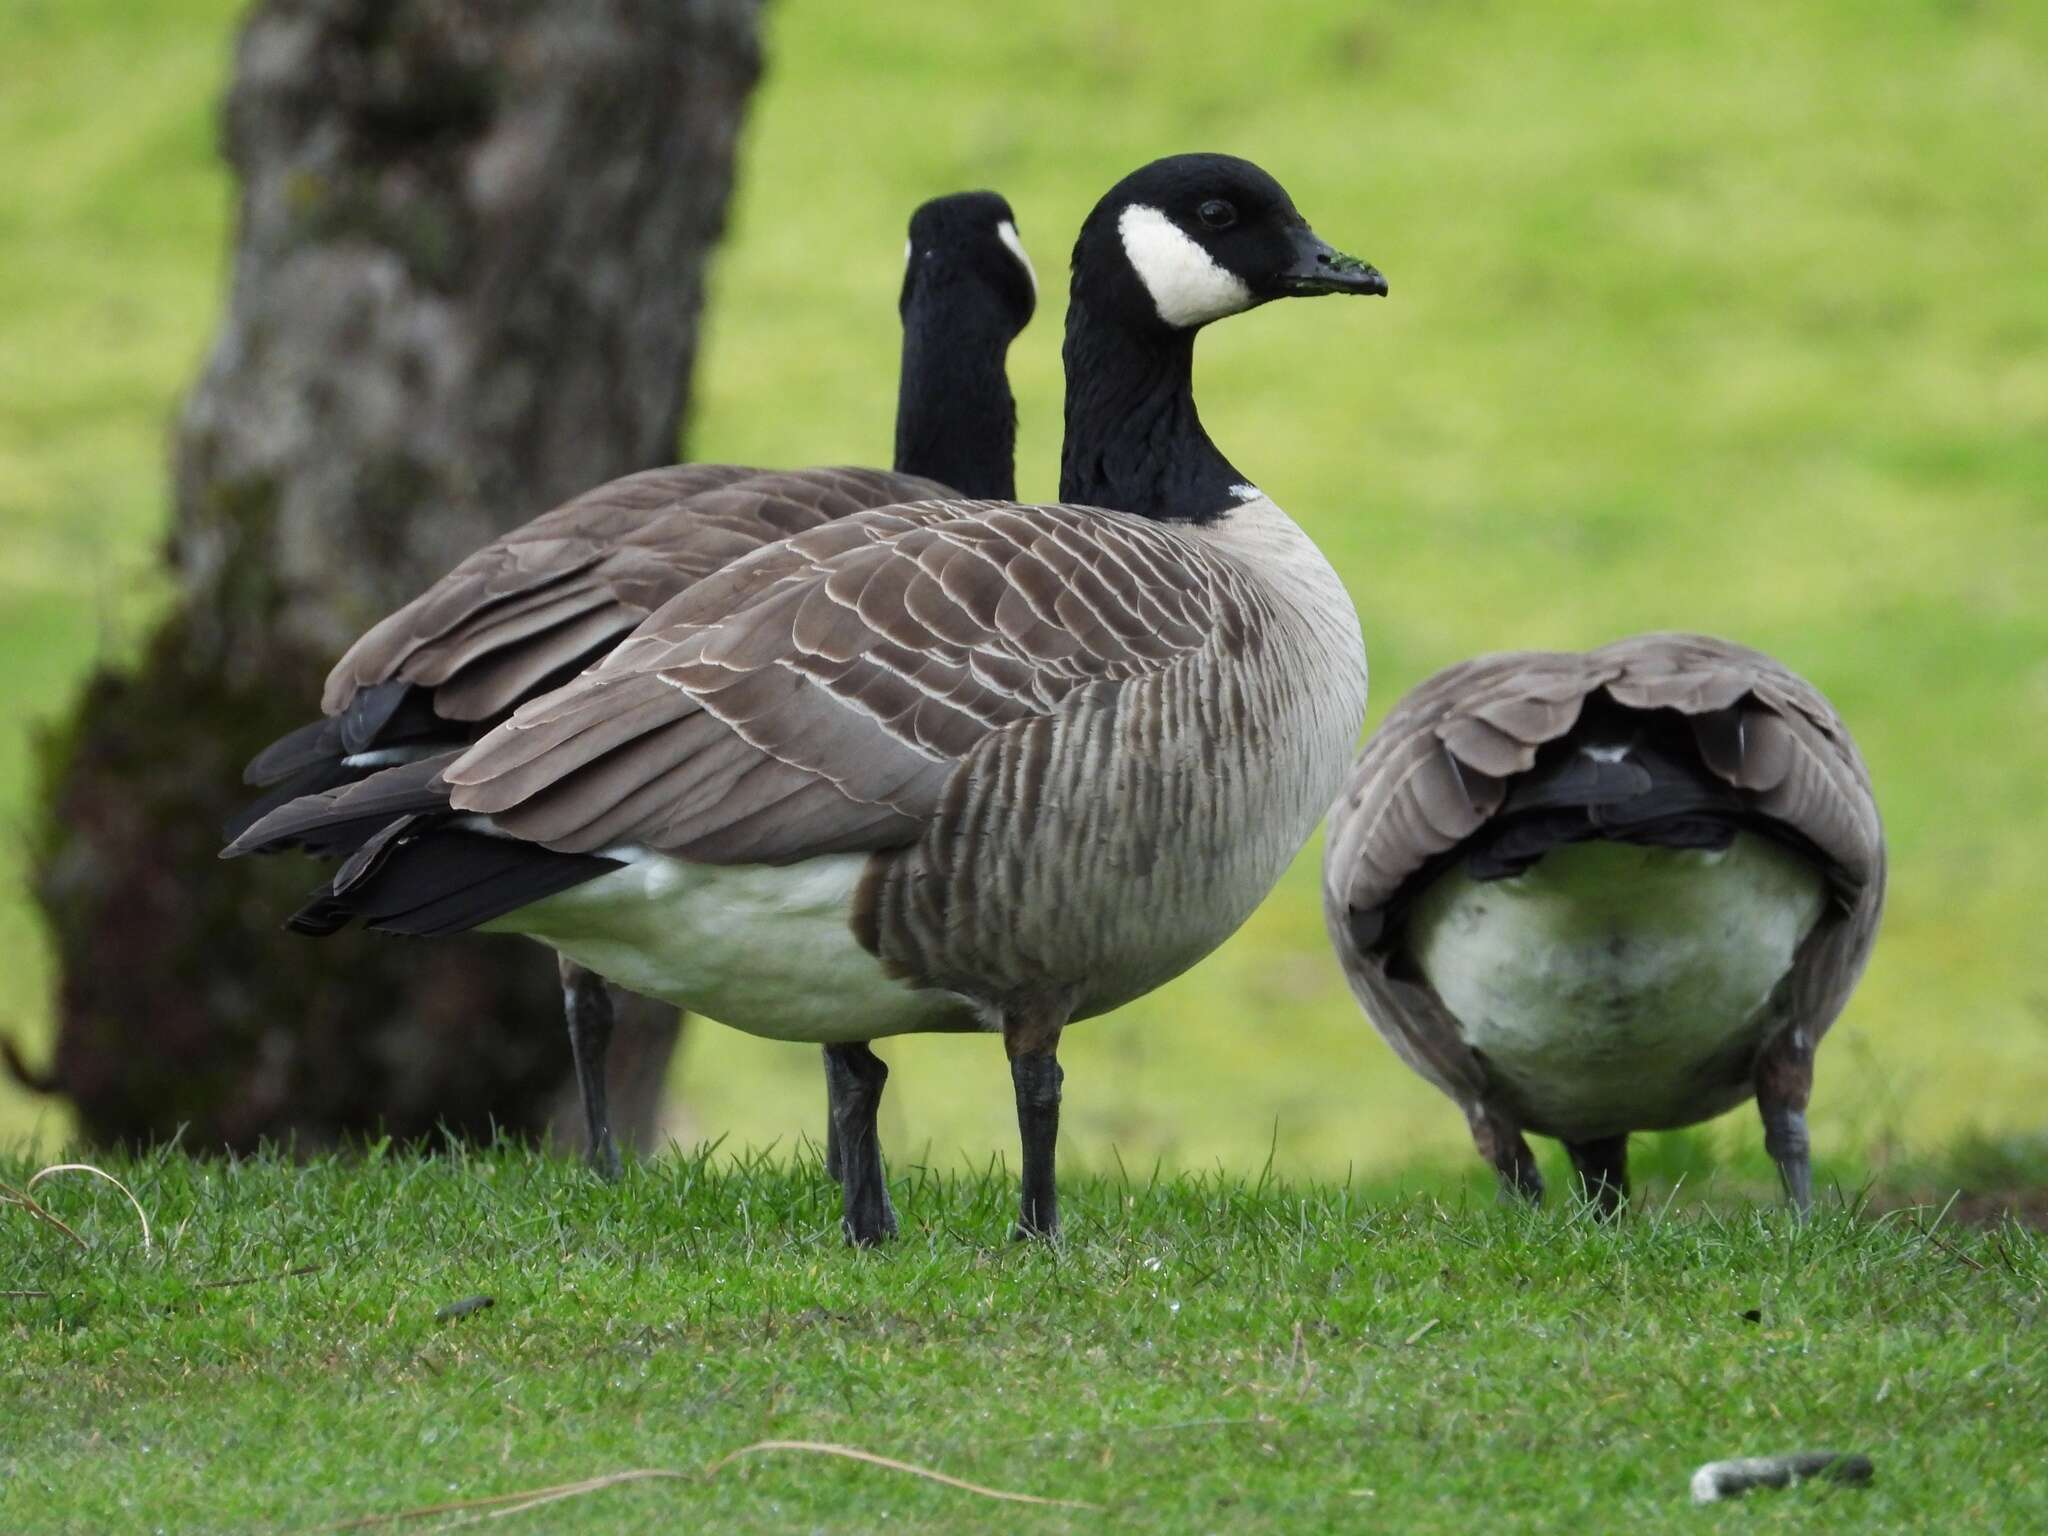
(948, 765)
(1592, 893)
(529, 611)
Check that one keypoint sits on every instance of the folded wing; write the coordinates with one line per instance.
(816, 697)
(549, 593)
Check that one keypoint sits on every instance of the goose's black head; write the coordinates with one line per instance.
(964, 252)
(968, 289)
(1171, 247)
(1193, 238)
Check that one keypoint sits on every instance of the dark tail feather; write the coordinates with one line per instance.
(434, 879)
(1640, 788)
(1577, 781)
(410, 867)
(321, 916)
(307, 747)
(395, 719)
(389, 715)
(394, 714)
(384, 717)
(312, 779)
(336, 822)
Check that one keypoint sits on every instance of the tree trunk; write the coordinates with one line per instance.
(467, 278)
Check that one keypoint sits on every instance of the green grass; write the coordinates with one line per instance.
(1728, 318)
(1203, 1353)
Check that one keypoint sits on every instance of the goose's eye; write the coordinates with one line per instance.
(1218, 214)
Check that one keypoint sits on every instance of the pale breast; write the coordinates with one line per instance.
(1614, 988)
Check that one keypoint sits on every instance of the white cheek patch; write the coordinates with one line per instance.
(1188, 288)
(909, 251)
(1007, 233)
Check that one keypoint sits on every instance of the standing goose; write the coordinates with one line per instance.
(955, 765)
(529, 611)
(1592, 893)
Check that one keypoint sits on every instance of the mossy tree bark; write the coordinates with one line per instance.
(467, 277)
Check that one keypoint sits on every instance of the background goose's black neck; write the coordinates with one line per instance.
(956, 420)
(1133, 439)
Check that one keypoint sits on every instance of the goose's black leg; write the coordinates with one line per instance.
(854, 1076)
(588, 1003)
(1031, 1036)
(1501, 1143)
(1602, 1167)
(834, 1163)
(1784, 1083)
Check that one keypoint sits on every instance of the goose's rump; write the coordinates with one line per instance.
(1643, 859)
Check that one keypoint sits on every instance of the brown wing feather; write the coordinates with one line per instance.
(833, 683)
(1438, 768)
(514, 609)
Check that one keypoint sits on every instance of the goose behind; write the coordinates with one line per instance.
(532, 609)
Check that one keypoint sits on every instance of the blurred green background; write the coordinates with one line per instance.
(1730, 317)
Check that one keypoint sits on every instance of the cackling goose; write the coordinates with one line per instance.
(1592, 893)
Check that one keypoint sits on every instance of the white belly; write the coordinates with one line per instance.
(1615, 988)
(763, 948)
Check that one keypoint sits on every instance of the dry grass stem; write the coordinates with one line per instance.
(496, 1506)
(286, 1274)
(9, 1195)
(852, 1453)
(508, 1503)
(99, 1173)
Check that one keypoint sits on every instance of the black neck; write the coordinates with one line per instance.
(1133, 440)
(956, 421)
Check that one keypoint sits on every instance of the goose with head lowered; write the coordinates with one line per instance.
(953, 765)
(1617, 890)
(530, 610)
